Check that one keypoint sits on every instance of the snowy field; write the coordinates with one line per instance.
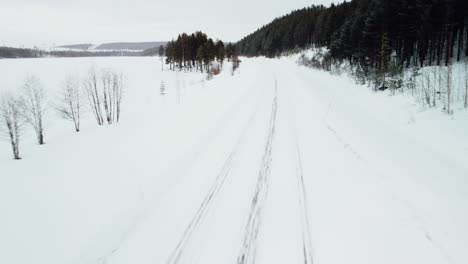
(276, 164)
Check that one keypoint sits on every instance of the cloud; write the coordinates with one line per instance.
(49, 22)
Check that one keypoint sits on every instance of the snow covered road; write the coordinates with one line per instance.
(278, 164)
(294, 190)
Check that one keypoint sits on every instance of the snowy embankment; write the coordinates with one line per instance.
(277, 164)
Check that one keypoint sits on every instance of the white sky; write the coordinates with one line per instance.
(57, 22)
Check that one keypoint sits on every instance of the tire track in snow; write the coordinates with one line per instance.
(201, 212)
(213, 192)
(189, 158)
(249, 246)
(307, 251)
(213, 132)
(306, 236)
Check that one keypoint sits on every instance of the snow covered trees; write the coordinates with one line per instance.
(105, 95)
(70, 102)
(34, 105)
(11, 122)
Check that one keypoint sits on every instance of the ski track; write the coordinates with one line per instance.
(249, 246)
(201, 213)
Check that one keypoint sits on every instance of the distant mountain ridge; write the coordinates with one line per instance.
(130, 45)
(85, 50)
(137, 46)
(77, 46)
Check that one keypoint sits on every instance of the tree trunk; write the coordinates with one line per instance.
(14, 145)
(449, 87)
(16, 151)
(41, 138)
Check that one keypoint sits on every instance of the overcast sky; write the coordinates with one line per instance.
(57, 22)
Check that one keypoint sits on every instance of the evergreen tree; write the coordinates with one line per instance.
(161, 51)
(220, 51)
(418, 32)
(195, 50)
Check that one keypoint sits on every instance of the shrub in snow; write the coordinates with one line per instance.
(162, 88)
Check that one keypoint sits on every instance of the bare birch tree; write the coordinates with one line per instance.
(112, 94)
(118, 92)
(428, 88)
(11, 122)
(449, 87)
(107, 94)
(34, 105)
(70, 103)
(466, 83)
(93, 94)
(434, 94)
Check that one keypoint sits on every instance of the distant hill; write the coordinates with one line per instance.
(115, 46)
(129, 45)
(13, 53)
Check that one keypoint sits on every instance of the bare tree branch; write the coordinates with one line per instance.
(70, 104)
(94, 97)
(34, 105)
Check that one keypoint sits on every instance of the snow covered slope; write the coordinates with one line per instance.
(276, 164)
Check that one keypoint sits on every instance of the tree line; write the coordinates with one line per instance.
(196, 52)
(368, 32)
(13, 53)
(100, 92)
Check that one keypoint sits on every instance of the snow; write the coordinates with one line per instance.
(277, 163)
